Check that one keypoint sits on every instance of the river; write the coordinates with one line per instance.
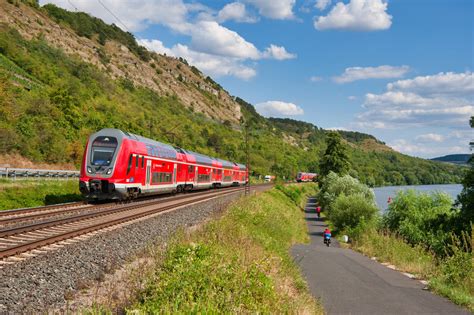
(382, 193)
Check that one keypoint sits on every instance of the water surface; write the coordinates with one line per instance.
(382, 193)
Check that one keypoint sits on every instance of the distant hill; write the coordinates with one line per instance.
(454, 158)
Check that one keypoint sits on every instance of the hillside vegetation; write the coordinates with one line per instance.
(51, 100)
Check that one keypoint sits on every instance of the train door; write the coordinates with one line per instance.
(196, 175)
(175, 173)
(148, 174)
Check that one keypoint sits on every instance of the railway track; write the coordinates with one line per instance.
(20, 240)
(6, 215)
(20, 216)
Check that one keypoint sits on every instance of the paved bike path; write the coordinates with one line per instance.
(350, 283)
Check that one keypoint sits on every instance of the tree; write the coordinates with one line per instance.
(466, 197)
(335, 158)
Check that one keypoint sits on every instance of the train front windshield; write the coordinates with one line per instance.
(103, 149)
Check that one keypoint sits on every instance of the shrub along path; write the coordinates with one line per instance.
(348, 282)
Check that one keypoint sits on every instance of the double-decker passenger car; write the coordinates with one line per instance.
(305, 177)
(121, 165)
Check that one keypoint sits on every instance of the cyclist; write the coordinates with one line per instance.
(318, 211)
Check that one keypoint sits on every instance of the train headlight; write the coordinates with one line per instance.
(109, 171)
(89, 169)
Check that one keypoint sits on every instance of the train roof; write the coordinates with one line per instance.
(242, 167)
(226, 164)
(201, 158)
(167, 151)
(156, 148)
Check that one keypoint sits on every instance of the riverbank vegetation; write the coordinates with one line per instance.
(239, 263)
(33, 193)
(421, 233)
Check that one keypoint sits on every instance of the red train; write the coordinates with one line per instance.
(305, 177)
(120, 165)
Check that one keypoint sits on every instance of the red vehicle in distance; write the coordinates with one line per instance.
(305, 177)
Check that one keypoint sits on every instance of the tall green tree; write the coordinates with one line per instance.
(335, 158)
(466, 197)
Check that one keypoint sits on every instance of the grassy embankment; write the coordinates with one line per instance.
(451, 276)
(237, 263)
(32, 193)
(416, 234)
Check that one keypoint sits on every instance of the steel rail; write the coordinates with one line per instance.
(54, 222)
(67, 209)
(24, 247)
(4, 213)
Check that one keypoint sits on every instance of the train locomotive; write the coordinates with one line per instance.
(305, 177)
(118, 165)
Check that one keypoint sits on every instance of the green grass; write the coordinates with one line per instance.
(29, 193)
(239, 263)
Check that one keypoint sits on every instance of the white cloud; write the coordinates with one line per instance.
(357, 15)
(337, 128)
(278, 53)
(425, 150)
(274, 9)
(213, 65)
(438, 102)
(157, 46)
(135, 14)
(352, 98)
(430, 137)
(315, 78)
(278, 108)
(211, 37)
(363, 73)
(235, 11)
(322, 4)
(441, 83)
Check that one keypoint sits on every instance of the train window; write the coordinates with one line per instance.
(190, 169)
(203, 178)
(136, 161)
(143, 161)
(103, 149)
(161, 178)
(227, 178)
(155, 178)
(129, 164)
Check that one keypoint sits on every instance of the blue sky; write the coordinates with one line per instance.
(399, 69)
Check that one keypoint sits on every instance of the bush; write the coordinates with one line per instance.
(421, 218)
(334, 185)
(348, 212)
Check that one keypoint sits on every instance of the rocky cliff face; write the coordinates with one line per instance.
(163, 74)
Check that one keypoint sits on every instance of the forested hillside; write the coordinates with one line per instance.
(454, 158)
(51, 100)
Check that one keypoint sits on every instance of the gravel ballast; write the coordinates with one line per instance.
(43, 282)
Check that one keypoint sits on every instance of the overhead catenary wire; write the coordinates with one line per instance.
(142, 42)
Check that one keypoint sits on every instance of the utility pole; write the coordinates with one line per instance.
(150, 126)
(247, 164)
